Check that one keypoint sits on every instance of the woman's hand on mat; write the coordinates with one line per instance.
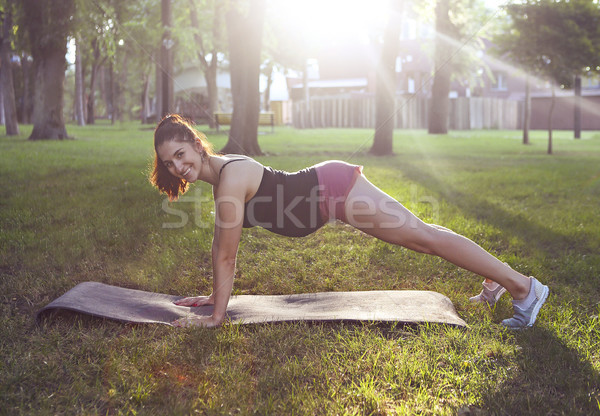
(195, 301)
(203, 321)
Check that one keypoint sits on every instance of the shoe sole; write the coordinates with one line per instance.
(538, 306)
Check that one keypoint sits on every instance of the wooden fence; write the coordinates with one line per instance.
(411, 113)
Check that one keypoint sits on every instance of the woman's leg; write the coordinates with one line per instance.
(491, 292)
(374, 212)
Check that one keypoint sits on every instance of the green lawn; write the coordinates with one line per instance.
(83, 210)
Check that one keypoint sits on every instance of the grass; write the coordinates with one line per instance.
(82, 210)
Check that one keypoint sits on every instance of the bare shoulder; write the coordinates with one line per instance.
(239, 174)
(237, 167)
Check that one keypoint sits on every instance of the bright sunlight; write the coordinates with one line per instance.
(333, 21)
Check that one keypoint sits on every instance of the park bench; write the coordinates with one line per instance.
(264, 119)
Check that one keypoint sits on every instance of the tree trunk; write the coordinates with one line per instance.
(527, 111)
(48, 24)
(577, 114)
(145, 113)
(166, 59)
(110, 93)
(91, 101)
(385, 93)
(245, 41)
(48, 120)
(239, 87)
(1, 106)
(27, 103)
(8, 97)
(440, 103)
(550, 115)
(210, 69)
(157, 104)
(267, 94)
(210, 75)
(306, 95)
(8, 89)
(118, 89)
(79, 113)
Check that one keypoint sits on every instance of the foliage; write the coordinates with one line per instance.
(96, 26)
(455, 34)
(86, 212)
(472, 21)
(553, 39)
(46, 26)
(141, 42)
(207, 36)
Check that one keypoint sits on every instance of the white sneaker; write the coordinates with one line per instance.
(489, 296)
(526, 318)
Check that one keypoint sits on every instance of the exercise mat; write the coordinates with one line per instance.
(137, 306)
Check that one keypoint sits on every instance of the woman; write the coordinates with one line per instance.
(247, 194)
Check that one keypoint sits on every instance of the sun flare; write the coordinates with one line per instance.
(333, 21)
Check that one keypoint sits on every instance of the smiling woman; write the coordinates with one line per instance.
(180, 139)
(296, 204)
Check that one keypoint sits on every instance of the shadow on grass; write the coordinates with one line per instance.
(552, 244)
(550, 379)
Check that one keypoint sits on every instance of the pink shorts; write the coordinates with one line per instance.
(336, 178)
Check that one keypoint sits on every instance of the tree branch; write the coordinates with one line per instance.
(197, 37)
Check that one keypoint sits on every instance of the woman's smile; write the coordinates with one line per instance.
(187, 173)
(184, 174)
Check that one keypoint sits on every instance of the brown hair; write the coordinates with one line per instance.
(174, 127)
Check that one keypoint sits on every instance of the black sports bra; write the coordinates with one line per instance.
(285, 203)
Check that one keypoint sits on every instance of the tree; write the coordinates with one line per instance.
(527, 110)
(244, 28)
(585, 18)
(438, 114)
(79, 112)
(166, 59)
(97, 61)
(511, 44)
(286, 47)
(460, 25)
(385, 94)
(138, 21)
(48, 24)
(95, 33)
(556, 40)
(24, 80)
(267, 69)
(8, 89)
(208, 46)
(577, 109)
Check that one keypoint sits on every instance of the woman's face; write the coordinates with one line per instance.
(182, 159)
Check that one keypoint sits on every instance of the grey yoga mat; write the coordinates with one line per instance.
(137, 306)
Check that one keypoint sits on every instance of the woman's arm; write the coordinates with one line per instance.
(215, 242)
(204, 300)
(228, 223)
(229, 214)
